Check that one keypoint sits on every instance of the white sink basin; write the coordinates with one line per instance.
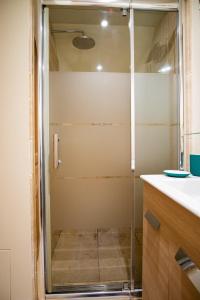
(185, 191)
(186, 186)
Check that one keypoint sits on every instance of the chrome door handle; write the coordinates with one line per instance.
(189, 268)
(56, 160)
(153, 221)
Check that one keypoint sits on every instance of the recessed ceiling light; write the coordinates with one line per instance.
(104, 23)
(165, 69)
(99, 67)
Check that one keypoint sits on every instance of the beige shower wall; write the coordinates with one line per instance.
(193, 135)
(144, 36)
(91, 113)
(163, 50)
(111, 49)
(157, 47)
(156, 129)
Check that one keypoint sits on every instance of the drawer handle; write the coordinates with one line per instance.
(153, 221)
(189, 268)
(56, 160)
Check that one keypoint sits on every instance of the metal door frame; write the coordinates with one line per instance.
(137, 286)
(134, 5)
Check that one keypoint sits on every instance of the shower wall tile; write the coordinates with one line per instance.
(92, 187)
(83, 97)
(187, 60)
(110, 44)
(174, 147)
(173, 102)
(195, 120)
(192, 103)
(155, 95)
(90, 203)
(93, 151)
(152, 149)
(194, 141)
(195, 99)
(156, 129)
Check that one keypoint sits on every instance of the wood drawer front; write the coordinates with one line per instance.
(180, 287)
(155, 262)
(181, 226)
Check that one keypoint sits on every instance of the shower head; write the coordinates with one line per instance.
(80, 42)
(83, 42)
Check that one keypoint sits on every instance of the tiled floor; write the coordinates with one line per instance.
(88, 257)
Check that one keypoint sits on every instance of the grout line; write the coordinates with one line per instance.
(157, 124)
(93, 124)
(97, 232)
(109, 124)
(191, 133)
(92, 177)
(114, 124)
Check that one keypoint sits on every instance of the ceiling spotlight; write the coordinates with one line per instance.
(99, 67)
(165, 69)
(104, 23)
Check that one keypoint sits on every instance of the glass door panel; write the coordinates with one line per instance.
(156, 105)
(90, 148)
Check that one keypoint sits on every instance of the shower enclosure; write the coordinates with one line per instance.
(110, 110)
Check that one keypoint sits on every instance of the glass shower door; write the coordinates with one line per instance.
(90, 149)
(156, 106)
(89, 84)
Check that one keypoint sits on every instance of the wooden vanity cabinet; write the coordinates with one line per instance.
(167, 229)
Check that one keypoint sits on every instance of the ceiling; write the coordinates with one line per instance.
(82, 15)
(85, 15)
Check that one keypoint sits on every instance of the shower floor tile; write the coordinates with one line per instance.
(114, 274)
(85, 257)
(80, 276)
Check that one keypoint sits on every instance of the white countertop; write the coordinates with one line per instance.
(185, 191)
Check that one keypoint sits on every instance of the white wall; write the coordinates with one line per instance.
(16, 271)
(194, 135)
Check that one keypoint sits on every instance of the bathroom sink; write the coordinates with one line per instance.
(189, 186)
(185, 191)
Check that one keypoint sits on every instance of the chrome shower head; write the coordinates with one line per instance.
(83, 42)
(80, 42)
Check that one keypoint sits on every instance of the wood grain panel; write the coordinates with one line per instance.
(163, 278)
(180, 287)
(182, 225)
(155, 260)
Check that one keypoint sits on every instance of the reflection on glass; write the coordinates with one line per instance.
(156, 103)
(157, 1)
